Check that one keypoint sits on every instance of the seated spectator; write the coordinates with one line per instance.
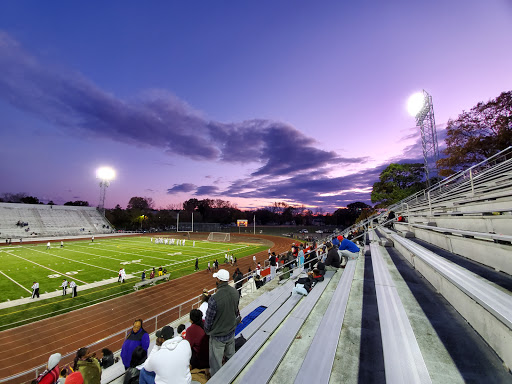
(137, 337)
(132, 374)
(170, 358)
(51, 374)
(74, 378)
(258, 281)
(198, 340)
(181, 330)
(347, 249)
(204, 304)
(315, 277)
(302, 286)
(88, 365)
(108, 358)
(332, 261)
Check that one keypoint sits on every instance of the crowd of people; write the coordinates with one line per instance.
(195, 353)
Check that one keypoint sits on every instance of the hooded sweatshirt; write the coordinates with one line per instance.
(170, 362)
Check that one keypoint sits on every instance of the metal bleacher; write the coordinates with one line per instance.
(50, 220)
(427, 301)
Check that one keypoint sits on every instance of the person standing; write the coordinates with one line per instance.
(88, 365)
(48, 245)
(64, 286)
(137, 337)
(197, 264)
(143, 277)
(209, 269)
(74, 289)
(62, 244)
(35, 290)
(254, 260)
(92, 239)
(222, 317)
(273, 265)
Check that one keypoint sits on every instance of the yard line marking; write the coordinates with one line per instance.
(53, 270)
(75, 261)
(105, 257)
(15, 282)
(129, 253)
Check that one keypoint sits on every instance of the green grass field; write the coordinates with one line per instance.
(88, 262)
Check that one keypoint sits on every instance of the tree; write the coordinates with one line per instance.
(397, 182)
(358, 206)
(478, 134)
(140, 203)
(30, 200)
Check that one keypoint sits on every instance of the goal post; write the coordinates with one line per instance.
(219, 236)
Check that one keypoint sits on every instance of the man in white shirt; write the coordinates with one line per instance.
(35, 290)
(64, 286)
(74, 289)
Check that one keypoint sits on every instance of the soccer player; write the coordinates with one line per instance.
(160, 271)
(62, 244)
(48, 245)
(92, 239)
(35, 290)
(209, 269)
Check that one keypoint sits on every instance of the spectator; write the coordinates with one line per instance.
(51, 374)
(132, 374)
(258, 281)
(222, 317)
(88, 366)
(273, 265)
(74, 378)
(107, 359)
(332, 262)
(204, 304)
(143, 277)
(137, 337)
(152, 274)
(301, 255)
(198, 340)
(347, 249)
(238, 277)
(181, 330)
(169, 358)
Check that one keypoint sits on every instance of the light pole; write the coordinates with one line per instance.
(105, 175)
(420, 106)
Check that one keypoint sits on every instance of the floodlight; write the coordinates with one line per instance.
(105, 173)
(416, 103)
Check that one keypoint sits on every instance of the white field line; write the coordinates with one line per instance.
(172, 245)
(131, 253)
(42, 266)
(105, 257)
(75, 261)
(15, 282)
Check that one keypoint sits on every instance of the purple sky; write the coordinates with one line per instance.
(251, 102)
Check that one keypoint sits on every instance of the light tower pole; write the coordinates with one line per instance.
(420, 106)
(105, 175)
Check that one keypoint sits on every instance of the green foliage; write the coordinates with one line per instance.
(77, 203)
(397, 182)
(478, 134)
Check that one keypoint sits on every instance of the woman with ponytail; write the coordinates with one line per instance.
(88, 366)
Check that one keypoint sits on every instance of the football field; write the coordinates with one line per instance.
(87, 262)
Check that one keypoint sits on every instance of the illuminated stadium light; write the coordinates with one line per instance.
(420, 106)
(105, 174)
(415, 103)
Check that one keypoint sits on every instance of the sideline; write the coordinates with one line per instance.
(15, 282)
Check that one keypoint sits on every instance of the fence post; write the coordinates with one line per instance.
(429, 203)
(471, 179)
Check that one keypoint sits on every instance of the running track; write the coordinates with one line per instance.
(30, 345)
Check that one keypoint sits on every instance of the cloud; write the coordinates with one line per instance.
(157, 119)
(207, 190)
(185, 187)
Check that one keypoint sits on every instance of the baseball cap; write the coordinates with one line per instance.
(340, 237)
(165, 333)
(54, 360)
(222, 275)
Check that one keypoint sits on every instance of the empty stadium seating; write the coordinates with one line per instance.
(48, 220)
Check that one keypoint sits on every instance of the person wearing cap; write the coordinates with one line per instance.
(138, 336)
(347, 249)
(52, 372)
(169, 359)
(74, 378)
(221, 321)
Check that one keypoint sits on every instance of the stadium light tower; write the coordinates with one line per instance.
(105, 174)
(420, 106)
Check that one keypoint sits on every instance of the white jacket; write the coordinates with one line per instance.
(170, 362)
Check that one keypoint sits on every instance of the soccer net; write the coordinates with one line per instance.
(219, 236)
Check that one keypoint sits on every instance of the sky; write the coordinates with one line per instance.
(253, 102)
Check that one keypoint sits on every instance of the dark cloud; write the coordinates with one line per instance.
(207, 190)
(158, 120)
(185, 187)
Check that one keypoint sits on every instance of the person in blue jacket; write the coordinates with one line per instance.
(347, 249)
(138, 336)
